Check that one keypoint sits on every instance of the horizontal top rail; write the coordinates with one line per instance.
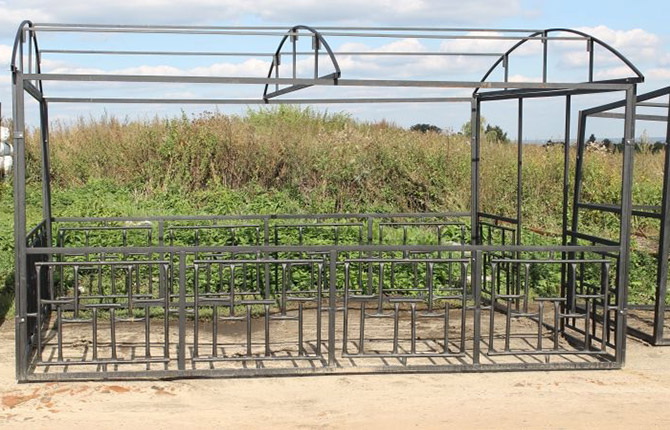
(406, 260)
(100, 263)
(262, 217)
(107, 227)
(359, 32)
(39, 25)
(211, 226)
(551, 261)
(266, 54)
(419, 223)
(350, 100)
(320, 224)
(259, 261)
(318, 248)
(197, 79)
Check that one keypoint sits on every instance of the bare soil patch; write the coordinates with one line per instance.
(636, 396)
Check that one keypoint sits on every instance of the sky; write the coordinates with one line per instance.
(638, 30)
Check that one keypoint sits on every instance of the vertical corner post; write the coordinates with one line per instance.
(475, 118)
(664, 244)
(477, 293)
(332, 306)
(625, 223)
(20, 257)
(46, 168)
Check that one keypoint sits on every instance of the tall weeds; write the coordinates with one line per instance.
(330, 162)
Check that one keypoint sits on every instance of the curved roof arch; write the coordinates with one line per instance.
(592, 40)
(464, 44)
(321, 41)
(18, 39)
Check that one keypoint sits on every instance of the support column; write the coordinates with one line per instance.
(519, 197)
(624, 231)
(566, 169)
(519, 172)
(20, 260)
(566, 196)
(46, 168)
(475, 118)
(663, 245)
(579, 164)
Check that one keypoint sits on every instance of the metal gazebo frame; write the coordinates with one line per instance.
(46, 303)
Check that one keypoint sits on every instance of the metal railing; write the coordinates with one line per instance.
(178, 310)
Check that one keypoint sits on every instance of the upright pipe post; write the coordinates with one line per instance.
(475, 117)
(21, 263)
(181, 357)
(566, 169)
(566, 192)
(579, 164)
(294, 40)
(544, 56)
(46, 168)
(477, 264)
(590, 49)
(519, 193)
(332, 306)
(663, 245)
(519, 171)
(625, 222)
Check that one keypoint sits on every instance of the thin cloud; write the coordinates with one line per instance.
(433, 12)
(661, 74)
(637, 45)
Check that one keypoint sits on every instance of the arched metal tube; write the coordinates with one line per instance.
(321, 41)
(18, 40)
(543, 33)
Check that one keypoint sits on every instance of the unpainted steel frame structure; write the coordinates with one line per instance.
(489, 269)
(653, 333)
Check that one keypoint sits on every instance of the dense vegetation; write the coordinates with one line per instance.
(297, 160)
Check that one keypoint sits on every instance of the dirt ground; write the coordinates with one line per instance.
(638, 396)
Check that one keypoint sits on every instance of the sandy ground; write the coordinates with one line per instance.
(638, 396)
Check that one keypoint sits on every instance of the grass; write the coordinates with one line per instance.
(291, 160)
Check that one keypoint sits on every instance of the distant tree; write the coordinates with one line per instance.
(495, 134)
(425, 128)
(607, 143)
(466, 128)
(592, 138)
(658, 147)
(492, 133)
